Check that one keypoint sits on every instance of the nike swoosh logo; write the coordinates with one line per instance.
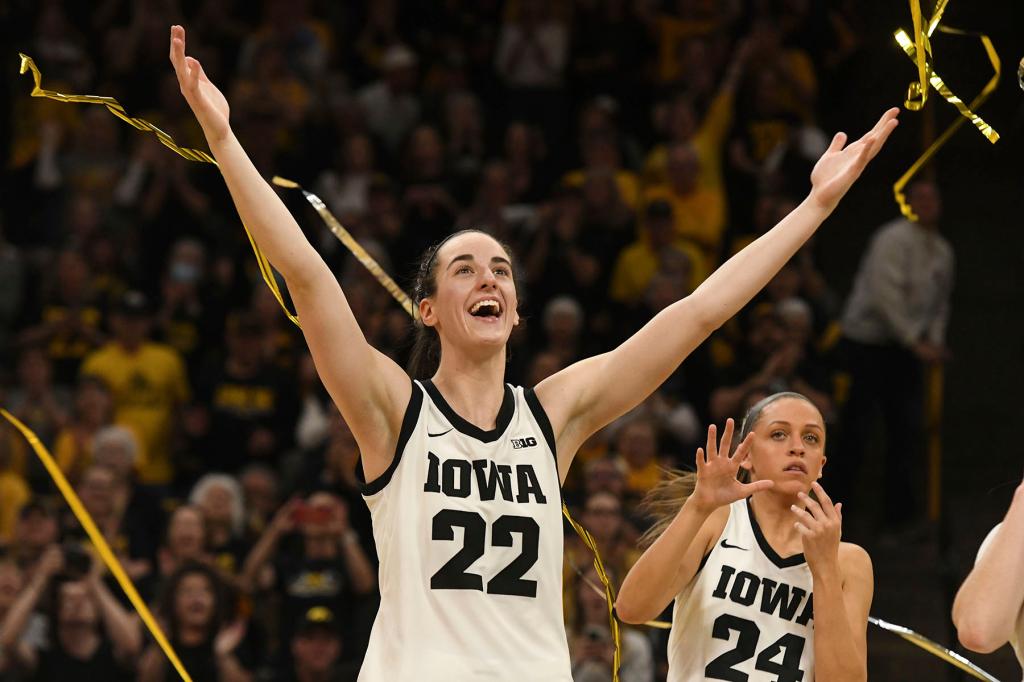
(726, 545)
(435, 435)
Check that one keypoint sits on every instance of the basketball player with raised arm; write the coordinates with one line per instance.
(764, 590)
(463, 471)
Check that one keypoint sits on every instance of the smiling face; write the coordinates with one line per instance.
(194, 601)
(788, 446)
(474, 305)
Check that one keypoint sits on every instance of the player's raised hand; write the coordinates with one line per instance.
(820, 524)
(206, 101)
(717, 484)
(841, 164)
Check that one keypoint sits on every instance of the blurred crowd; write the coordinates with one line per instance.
(622, 148)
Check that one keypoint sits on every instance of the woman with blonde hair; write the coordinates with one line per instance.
(749, 548)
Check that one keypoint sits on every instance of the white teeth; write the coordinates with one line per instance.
(487, 302)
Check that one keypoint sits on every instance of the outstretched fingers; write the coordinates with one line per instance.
(873, 140)
(177, 47)
(824, 500)
(726, 444)
(837, 142)
(711, 447)
(743, 448)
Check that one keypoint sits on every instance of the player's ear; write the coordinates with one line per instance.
(428, 315)
(821, 469)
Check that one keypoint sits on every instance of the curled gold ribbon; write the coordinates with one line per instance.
(106, 555)
(919, 51)
(114, 107)
(354, 247)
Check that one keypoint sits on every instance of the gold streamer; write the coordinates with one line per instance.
(354, 247)
(609, 591)
(934, 649)
(919, 51)
(98, 541)
(114, 107)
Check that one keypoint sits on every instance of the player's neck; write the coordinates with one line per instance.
(774, 515)
(474, 389)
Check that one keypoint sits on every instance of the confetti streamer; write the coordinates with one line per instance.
(919, 51)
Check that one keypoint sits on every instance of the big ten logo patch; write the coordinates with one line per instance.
(527, 442)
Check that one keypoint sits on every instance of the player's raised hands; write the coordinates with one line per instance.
(842, 164)
(820, 524)
(717, 484)
(206, 101)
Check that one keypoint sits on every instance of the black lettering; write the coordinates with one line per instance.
(808, 612)
(432, 486)
(773, 600)
(744, 590)
(448, 478)
(528, 484)
(500, 477)
(723, 583)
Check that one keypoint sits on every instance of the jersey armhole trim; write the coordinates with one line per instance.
(412, 413)
(703, 562)
(542, 420)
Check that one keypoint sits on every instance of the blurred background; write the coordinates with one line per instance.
(623, 149)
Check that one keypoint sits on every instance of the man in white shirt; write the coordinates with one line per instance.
(894, 326)
(988, 609)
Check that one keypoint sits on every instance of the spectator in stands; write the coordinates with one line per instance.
(390, 103)
(775, 356)
(35, 529)
(249, 406)
(68, 318)
(219, 498)
(894, 329)
(90, 636)
(329, 569)
(590, 641)
(203, 629)
(637, 450)
(656, 249)
(93, 410)
(148, 383)
(36, 401)
(316, 650)
(185, 542)
(260, 486)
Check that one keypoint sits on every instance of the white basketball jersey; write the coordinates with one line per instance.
(748, 613)
(469, 532)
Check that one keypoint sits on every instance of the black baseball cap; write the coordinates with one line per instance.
(317, 618)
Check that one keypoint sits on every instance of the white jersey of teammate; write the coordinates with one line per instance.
(468, 528)
(748, 613)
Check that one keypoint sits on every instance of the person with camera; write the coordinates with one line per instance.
(91, 636)
(328, 568)
(590, 641)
